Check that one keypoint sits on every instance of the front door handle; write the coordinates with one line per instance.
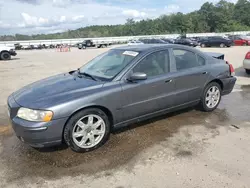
(204, 72)
(168, 81)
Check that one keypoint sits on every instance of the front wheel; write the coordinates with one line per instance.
(222, 45)
(248, 71)
(87, 130)
(5, 56)
(211, 97)
(203, 45)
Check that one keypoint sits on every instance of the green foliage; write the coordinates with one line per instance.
(223, 16)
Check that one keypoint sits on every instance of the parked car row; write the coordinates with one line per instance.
(36, 47)
(213, 41)
(81, 45)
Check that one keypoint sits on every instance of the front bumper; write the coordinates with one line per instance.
(246, 64)
(228, 85)
(39, 134)
(36, 134)
(12, 52)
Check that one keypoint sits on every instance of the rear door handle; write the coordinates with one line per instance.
(168, 81)
(204, 72)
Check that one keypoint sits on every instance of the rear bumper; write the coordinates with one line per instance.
(246, 64)
(228, 85)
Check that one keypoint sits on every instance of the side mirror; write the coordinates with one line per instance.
(137, 76)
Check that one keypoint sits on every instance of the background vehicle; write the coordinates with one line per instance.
(216, 41)
(6, 52)
(152, 41)
(80, 107)
(199, 39)
(187, 42)
(170, 41)
(18, 46)
(134, 42)
(240, 40)
(246, 63)
(90, 43)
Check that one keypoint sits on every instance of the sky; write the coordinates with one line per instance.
(51, 16)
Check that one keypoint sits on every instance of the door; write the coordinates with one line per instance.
(215, 41)
(237, 41)
(186, 42)
(183, 41)
(151, 95)
(190, 76)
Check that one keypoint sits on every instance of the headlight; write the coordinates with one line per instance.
(34, 115)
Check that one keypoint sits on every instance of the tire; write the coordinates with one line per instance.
(5, 56)
(248, 71)
(244, 44)
(222, 45)
(204, 104)
(203, 45)
(80, 46)
(88, 134)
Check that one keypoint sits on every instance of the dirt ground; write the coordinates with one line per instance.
(188, 148)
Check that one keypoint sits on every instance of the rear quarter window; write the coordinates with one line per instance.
(201, 60)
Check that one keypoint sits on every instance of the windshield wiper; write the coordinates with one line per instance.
(86, 74)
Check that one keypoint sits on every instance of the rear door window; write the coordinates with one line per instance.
(185, 59)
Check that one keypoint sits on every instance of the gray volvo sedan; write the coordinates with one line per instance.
(122, 86)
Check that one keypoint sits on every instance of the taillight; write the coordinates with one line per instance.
(231, 69)
(247, 55)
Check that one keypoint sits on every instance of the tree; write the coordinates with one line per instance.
(220, 17)
(242, 8)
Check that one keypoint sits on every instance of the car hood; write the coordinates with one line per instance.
(53, 90)
(7, 48)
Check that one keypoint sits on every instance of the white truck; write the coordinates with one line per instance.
(6, 52)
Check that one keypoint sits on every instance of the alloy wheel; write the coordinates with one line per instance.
(88, 131)
(212, 97)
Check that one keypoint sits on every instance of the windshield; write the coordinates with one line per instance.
(108, 65)
(245, 37)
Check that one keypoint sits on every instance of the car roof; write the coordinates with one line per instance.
(149, 47)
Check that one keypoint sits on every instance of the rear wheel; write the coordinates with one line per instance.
(5, 56)
(87, 130)
(211, 97)
(248, 71)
